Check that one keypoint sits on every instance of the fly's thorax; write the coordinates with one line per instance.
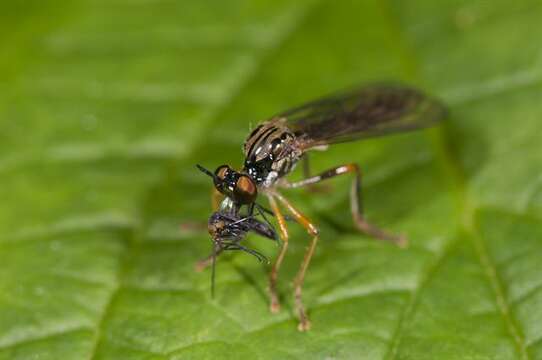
(270, 152)
(270, 179)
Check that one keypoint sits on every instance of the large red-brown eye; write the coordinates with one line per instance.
(245, 190)
(220, 175)
(221, 171)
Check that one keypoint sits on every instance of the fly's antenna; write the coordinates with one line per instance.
(205, 171)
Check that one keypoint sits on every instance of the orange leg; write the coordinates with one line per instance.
(216, 198)
(304, 323)
(355, 202)
(283, 232)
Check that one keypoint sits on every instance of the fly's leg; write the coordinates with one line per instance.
(304, 323)
(204, 263)
(216, 198)
(355, 202)
(313, 188)
(273, 276)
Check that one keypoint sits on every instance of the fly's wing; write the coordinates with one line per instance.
(364, 112)
(262, 229)
(235, 227)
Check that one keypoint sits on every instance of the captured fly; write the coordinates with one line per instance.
(227, 229)
(274, 147)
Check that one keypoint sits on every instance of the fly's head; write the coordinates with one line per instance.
(237, 186)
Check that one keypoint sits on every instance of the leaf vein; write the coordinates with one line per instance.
(502, 303)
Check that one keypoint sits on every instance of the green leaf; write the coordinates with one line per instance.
(105, 107)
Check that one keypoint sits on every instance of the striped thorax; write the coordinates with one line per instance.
(270, 152)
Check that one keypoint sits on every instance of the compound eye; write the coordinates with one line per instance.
(222, 171)
(220, 175)
(245, 190)
(215, 228)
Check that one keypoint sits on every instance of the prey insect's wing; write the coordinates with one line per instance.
(364, 112)
(264, 229)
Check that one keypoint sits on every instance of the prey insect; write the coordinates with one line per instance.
(228, 227)
(274, 147)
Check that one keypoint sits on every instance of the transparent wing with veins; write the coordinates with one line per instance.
(365, 112)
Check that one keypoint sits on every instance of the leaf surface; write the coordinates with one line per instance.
(107, 105)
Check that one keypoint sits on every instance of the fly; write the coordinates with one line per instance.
(274, 147)
(227, 229)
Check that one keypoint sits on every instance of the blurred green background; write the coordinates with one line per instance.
(105, 107)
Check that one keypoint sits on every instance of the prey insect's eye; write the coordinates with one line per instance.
(215, 228)
(245, 190)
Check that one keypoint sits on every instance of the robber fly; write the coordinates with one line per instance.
(274, 147)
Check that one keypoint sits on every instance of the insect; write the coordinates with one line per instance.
(227, 228)
(273, 149)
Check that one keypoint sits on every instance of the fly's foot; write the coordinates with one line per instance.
(304, 324)
(274, 307)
